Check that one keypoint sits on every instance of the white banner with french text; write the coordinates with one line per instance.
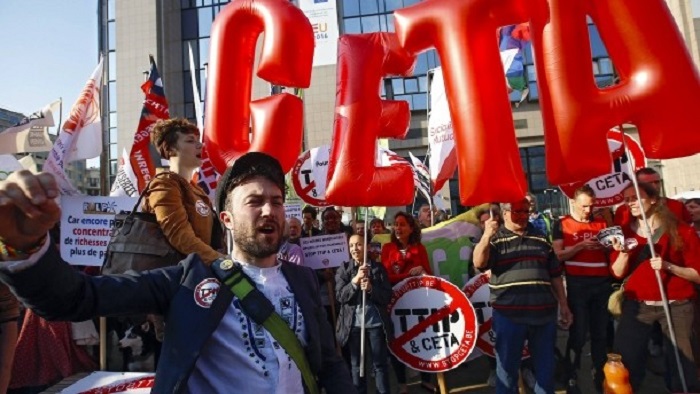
(86, 226)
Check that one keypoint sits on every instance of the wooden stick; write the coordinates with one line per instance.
(442, 386)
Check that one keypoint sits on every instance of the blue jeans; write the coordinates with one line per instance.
(380, 358)
(510, 338)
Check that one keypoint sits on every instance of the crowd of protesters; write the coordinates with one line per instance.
(546, 274)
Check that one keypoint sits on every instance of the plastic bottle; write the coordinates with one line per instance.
(616, 376)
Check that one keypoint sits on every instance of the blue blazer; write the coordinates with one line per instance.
(56, 291)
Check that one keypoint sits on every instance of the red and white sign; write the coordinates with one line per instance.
(311, 171)
(112, 382)
(478, 292)
(435, 326)
(206, 291)
(309, 176)
(608, 188)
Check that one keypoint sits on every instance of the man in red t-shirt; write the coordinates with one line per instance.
(588, 284)
(650, 176)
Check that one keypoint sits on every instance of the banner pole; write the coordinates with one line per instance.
(365, 262)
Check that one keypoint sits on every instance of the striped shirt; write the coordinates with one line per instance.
(522, 268)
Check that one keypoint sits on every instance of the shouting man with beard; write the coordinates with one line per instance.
(215, 341)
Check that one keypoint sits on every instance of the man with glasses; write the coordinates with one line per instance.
(526, 289)
(650, 176)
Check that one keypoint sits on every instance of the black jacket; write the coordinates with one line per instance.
(350, 297)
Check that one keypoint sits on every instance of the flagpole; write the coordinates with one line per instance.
(364, 300)
(650, 242)
(104, 191)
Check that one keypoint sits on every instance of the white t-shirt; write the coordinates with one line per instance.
(242, 355)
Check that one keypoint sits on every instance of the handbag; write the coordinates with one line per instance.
(137, 242)
(618, 296)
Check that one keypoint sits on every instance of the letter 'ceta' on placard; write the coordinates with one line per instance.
(659, 86)
(361, 116)
(286, 58)
(464, 35)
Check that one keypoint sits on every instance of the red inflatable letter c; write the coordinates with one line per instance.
(287, 55)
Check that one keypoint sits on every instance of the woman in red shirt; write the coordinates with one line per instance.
(403, 257)
(677, 260)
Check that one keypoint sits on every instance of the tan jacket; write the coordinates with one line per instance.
(184, 213)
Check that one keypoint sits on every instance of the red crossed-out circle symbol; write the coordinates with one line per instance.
(435, 326)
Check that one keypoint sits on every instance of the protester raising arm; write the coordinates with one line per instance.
(483, 247)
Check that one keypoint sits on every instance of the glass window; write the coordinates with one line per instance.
(531, 73)
(421, 64)
(382, 23)
(368, 7)
(597, 46)
(536, 163)
(420, 101)
(392, 5)
(423, 83)
(382, 89)
(352, 26)
(112, 66)
(189, 24)
(433, 59)
(110, 10)
(538, 181)
(203, 52)
(397, 86)
(390, 23)
(595, 68)
(186, 4)
(113, 151)
(113, 119)
(205, 18)
(113, 135)
(351, 7)
(370, 24)
(534, 94)
(407, 3)
(187, 80)
(202, 84)
(605, 65)
(411, 85)
(111, 36)
(189, 111)
(112, 96)
(186, 53)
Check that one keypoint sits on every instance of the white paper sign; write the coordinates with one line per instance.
(325, 251)
(292, 210)
(86, 224)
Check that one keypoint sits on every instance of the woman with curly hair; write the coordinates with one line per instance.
(677, 261)
(404, 257)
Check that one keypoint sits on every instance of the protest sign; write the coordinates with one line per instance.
(86, 226)
(435, 326)
(478, 292)
(608, 188)
(325, 251)
(450, 246)
(100, 382)
(292, 210)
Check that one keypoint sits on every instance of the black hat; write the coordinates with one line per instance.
(245, 167)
